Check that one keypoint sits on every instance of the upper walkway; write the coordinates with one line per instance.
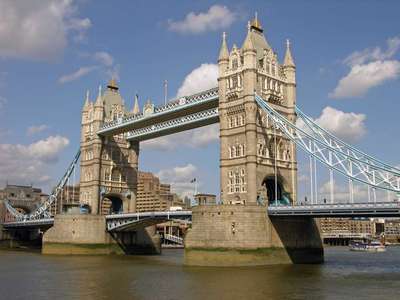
(186, 109)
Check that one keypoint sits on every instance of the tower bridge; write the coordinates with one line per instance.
(259, 220)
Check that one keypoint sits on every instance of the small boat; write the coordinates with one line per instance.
(367, 246)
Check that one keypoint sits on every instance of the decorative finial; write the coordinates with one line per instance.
(224, 36)
(99, 90)
(87, 95)
(255, 16)
(248, 25)
(287, 43)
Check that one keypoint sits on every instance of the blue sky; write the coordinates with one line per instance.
(51, 52)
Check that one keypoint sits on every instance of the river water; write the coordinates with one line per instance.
(344, 275)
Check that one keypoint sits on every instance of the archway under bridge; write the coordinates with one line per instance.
(112, 204)
(275, 191)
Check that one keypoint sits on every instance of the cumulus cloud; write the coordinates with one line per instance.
(38, 29)
(25, 164)
(368, 68)
(199, 137)
(34, 129)
(347, 126)
(217, 17)
(200, 79)
(179, 178)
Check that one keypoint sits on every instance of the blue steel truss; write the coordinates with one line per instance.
(182, 104)
(194, 120)
(333, 152)
(43, 210)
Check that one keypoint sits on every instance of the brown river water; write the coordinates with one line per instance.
(344, 275)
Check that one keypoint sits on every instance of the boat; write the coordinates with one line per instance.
(367, 246)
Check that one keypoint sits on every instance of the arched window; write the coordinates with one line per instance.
(238, 150)
(233, 151)
(273, 69)
(268, 65)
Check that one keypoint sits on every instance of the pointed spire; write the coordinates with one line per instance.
(223, 53)
(87, 99)
(136, 108)
(248, 44)
(255, 24)
(288, 61)
(99, 100)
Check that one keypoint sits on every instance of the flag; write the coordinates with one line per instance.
(193, 180)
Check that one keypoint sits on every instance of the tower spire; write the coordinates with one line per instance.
(223, 53)
(136, 108)
(288, 61)
(248, 44)
(87, 98)
(99, 97)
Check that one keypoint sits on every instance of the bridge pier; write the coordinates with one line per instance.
(87, 235)
(237, 235)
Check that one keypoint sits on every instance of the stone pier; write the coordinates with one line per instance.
(237, 235)
(86, 235)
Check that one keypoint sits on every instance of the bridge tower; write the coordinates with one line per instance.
(258, 165)
(253, 155)
(109, 165)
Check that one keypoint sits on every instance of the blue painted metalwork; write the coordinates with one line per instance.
(197, 119)
(179, 105)
(121, 222)
(332, 152)
(384, 209)
(43, 210)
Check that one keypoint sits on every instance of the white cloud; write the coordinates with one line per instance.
(82, 71)
(200, 79)
(38, 29)
(347, 126)
(104, 58)
(364, 77)
(24, 164)
(217, 17)
(368, 68)
(106, 65)
(198, 137)
(179, 178)
(34, 129)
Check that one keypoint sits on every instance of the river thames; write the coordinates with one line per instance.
(344, 275)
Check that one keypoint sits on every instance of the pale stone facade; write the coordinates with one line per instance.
(108, 165)
(251, 148)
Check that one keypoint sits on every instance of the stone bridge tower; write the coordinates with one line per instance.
(253, 153)
(109, 165)
(258, 166)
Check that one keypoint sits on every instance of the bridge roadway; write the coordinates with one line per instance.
(134, 221)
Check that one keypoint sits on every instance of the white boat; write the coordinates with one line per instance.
(369, 246)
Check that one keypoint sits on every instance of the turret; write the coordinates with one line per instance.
(136, 108)
(290, 72)
(223, 59)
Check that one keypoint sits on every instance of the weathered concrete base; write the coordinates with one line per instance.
(87, 235)
(227, 235)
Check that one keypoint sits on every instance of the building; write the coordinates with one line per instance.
(205, 199)
(392, 230)
(69, 196)
(152, 195)
(24, 198)
(339, 231)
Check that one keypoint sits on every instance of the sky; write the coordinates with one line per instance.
(347, 56)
